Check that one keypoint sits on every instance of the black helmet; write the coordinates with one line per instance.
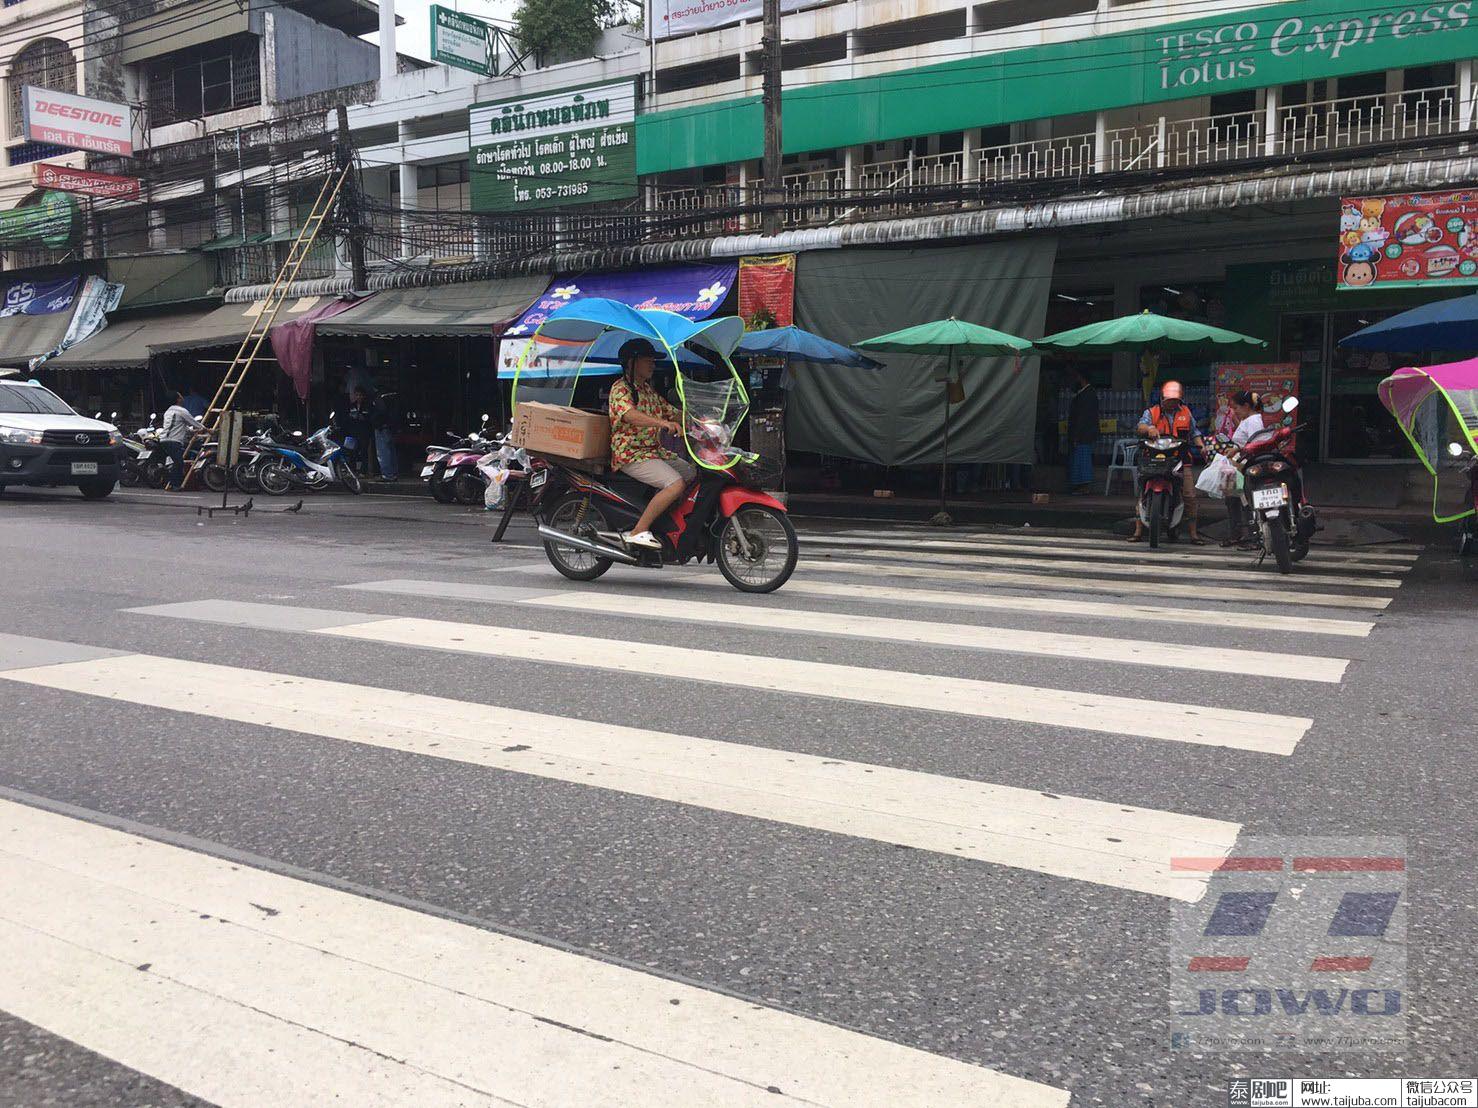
(632, 349)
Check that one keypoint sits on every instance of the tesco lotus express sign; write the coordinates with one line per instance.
(1321, 40)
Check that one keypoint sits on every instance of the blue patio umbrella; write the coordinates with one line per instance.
(1442, 325)
(796, 345)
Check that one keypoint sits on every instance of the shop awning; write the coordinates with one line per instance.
(450, 311)
(225, 326)
(125, 344)
(35, 319)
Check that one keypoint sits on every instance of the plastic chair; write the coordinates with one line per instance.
(1122, 461)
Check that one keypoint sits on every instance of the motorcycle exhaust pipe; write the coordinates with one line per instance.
(598, 548)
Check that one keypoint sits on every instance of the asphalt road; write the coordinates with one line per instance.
(414, 820)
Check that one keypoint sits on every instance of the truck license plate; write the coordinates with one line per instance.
(1269, 498)
(84, 469)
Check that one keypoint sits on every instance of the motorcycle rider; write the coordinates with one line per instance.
(639, 413)
(1172, 418)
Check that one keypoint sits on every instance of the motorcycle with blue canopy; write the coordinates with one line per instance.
(584, 514)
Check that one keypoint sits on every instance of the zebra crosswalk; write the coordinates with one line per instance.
(249, 983)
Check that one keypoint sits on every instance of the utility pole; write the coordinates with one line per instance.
(349, 204)
(773, 193)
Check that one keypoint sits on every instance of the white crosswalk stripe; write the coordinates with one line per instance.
(1398, 557)
(915, 632)
(1118, 715)
(1089, 840)
(925, 551)
(1166, 590)
(252, 989)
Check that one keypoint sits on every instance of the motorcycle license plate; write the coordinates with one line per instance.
(537, 479)
(1274, 497)
(427, 471)
(84, 469)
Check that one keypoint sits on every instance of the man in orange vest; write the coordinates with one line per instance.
(1172, 417)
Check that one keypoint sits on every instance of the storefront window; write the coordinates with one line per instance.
(1358, 426)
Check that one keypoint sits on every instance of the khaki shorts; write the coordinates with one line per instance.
(659, 473)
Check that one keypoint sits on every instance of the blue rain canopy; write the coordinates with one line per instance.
(604, 325)
(1442, 325)
(795, 345)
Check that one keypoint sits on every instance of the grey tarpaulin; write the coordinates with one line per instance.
(895, 416)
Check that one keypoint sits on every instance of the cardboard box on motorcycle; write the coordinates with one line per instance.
(565, 432)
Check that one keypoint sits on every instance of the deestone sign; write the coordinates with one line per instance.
(66, 119)
(577, 146)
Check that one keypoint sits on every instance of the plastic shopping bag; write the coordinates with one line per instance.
(1216, 477)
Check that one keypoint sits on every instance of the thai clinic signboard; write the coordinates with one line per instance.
(682, 17)
(460, 40)
(85, 181)
(1407, 241)
(66, 119)
(547, 151)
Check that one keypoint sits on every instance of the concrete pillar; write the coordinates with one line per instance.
(1270, 121)
(970, 155)
(1100, 143)
(388, 64)
(1465, 94)
(851, 167)
(1160, 135)
(408, 203)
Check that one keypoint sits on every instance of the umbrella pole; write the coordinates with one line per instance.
(942, 517)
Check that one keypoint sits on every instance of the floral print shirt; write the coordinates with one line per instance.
(638, 444)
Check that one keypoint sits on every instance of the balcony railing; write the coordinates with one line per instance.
(903, 185)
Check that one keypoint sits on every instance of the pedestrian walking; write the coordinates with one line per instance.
(174, 435)
(1082, 434)
(383, 422)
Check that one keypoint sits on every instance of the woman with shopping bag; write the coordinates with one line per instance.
(1247, 408)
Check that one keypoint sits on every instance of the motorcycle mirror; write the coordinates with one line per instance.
(297, 434)
(332, 414)
(1455, 450)
(153, 416)
(1290, 403)
(485, 417)
(113, 415)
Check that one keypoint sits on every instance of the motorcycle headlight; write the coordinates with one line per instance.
(19, 436)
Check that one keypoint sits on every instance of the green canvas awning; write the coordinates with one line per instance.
(467, 309)
(124, 344)
(231, 242)
(225, 326)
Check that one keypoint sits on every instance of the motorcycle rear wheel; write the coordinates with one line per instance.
(275, 478)
(441, 489)
(1157, 517)
(469, 487)
(214, 476)
(773, 549)
(1278, 541)
(345, 473)
(1467, 538)
(576, 564)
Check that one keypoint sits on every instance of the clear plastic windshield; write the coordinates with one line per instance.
(549, 370)
(713, 409)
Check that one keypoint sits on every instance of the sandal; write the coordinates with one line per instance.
(1136, 538)
(1196, 540)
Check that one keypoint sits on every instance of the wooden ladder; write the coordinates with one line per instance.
(262, 321)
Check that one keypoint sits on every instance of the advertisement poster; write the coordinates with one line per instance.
(1408, 241)
(695, 291)
(547, 151)
(767, 290)
(1275, 380)
(683, 17)
(39, 297)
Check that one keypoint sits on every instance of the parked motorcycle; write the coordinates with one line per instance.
(451, 470)
(1273, 491)
(1467, 536)
(316, 463)
(1161, 462)
(142, 459)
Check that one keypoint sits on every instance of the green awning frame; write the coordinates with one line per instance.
(231, 242)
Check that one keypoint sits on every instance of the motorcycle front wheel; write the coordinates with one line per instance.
(757, 549)
(345, 473)
(244, 474)
(575, 515)
(1157, 517)
(275, 478)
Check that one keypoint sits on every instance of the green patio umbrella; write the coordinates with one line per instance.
(1147, 334)
(950, 338)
